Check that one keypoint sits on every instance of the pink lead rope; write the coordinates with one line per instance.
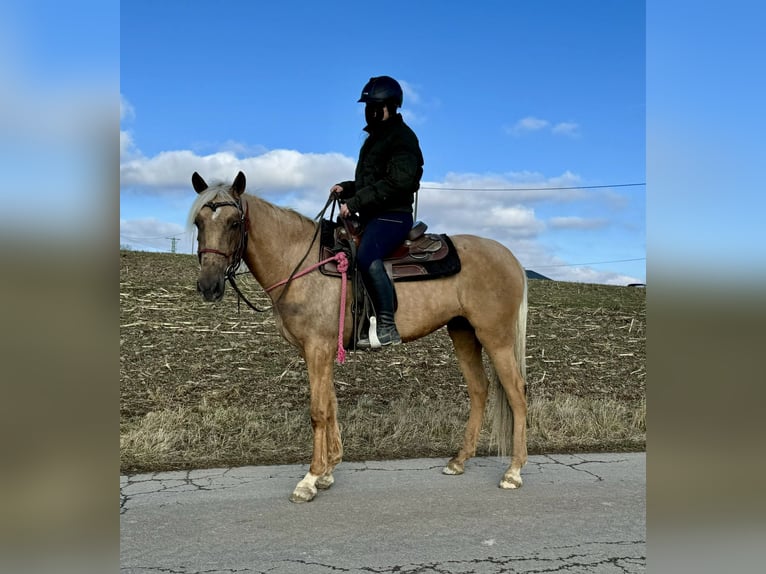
(342, 262)
(343, 268)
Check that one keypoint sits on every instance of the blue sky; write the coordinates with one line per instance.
(523, 97)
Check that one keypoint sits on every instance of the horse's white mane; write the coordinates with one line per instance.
(221, 190)
(218, 189)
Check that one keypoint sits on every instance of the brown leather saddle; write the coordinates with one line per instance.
(421, 256)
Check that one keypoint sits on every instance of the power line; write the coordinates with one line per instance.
(591, 263)
(532, 188)
(135, 238)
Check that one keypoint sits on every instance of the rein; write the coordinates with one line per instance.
(342, 261)
(237, 254)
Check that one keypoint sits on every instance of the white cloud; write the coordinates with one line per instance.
(574, 222)
(590, 275)
(494, 215)
(149, 226)
(411, 117)
(518, 218)
(532, 124)
(566, 128)
(126, 109)
(529, 124)
(275, 170)
(536, 257)
(414, 104)
(128, 150)
(242, 149)
(152, 233)
(302, 180)
(516, 186)
(127, 147)
(411, 94)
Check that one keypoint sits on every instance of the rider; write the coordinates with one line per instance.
(387, 176)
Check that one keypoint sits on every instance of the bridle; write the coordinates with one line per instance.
(239, 250)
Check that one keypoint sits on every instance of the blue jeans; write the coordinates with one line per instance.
(382, 234)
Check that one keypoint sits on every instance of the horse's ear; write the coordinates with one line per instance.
(198, 183)
(238, 186)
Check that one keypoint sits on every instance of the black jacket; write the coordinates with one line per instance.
(388, 171)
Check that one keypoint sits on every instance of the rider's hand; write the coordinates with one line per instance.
(344, 212)
(336, 190)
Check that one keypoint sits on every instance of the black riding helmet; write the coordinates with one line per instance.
(382, 90)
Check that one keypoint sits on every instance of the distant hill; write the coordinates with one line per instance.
(535, 275)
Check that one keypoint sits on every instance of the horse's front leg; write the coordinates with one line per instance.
(324, 421)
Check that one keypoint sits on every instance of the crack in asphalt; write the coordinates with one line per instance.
(185, 571)
(378, 469)
(201, 480)
(630, 559)
(190, 480)
(574, 465)
(619, 557)
(572, 562)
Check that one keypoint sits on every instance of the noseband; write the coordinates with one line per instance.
(239, 251)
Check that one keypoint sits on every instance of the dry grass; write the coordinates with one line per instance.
(204, 385)
(202, 437)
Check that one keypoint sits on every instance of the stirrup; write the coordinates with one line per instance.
(374, 341)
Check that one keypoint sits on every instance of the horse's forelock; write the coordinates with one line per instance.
(207, 196)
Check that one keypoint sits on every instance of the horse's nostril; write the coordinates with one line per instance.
(212, 289)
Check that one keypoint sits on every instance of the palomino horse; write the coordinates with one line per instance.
(484, 306)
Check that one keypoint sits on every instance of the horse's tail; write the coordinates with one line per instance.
(520, 341)
(502, 415)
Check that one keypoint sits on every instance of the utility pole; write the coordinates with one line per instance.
(173, 240)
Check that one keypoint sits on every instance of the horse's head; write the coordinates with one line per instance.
(221, 222)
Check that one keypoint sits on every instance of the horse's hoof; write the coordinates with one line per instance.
(511, 480)
(325, 482)
(453, 468)
(303, 494)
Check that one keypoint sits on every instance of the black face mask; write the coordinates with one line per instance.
(373, 113)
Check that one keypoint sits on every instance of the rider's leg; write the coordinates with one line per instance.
(382, 292)
(381, 236)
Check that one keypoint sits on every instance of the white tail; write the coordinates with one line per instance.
(502, 415)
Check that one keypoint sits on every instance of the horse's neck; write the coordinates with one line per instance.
(278, 239)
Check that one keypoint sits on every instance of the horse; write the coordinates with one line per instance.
(484, 307)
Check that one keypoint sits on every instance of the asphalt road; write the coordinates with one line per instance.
(575, 513)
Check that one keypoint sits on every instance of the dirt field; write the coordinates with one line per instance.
(178, 353)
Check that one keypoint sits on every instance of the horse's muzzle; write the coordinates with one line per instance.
(212, 288)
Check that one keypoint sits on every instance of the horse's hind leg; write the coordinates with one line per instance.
(468, 351)
(507, 368)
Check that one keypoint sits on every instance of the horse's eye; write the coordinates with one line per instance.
(234, 224)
